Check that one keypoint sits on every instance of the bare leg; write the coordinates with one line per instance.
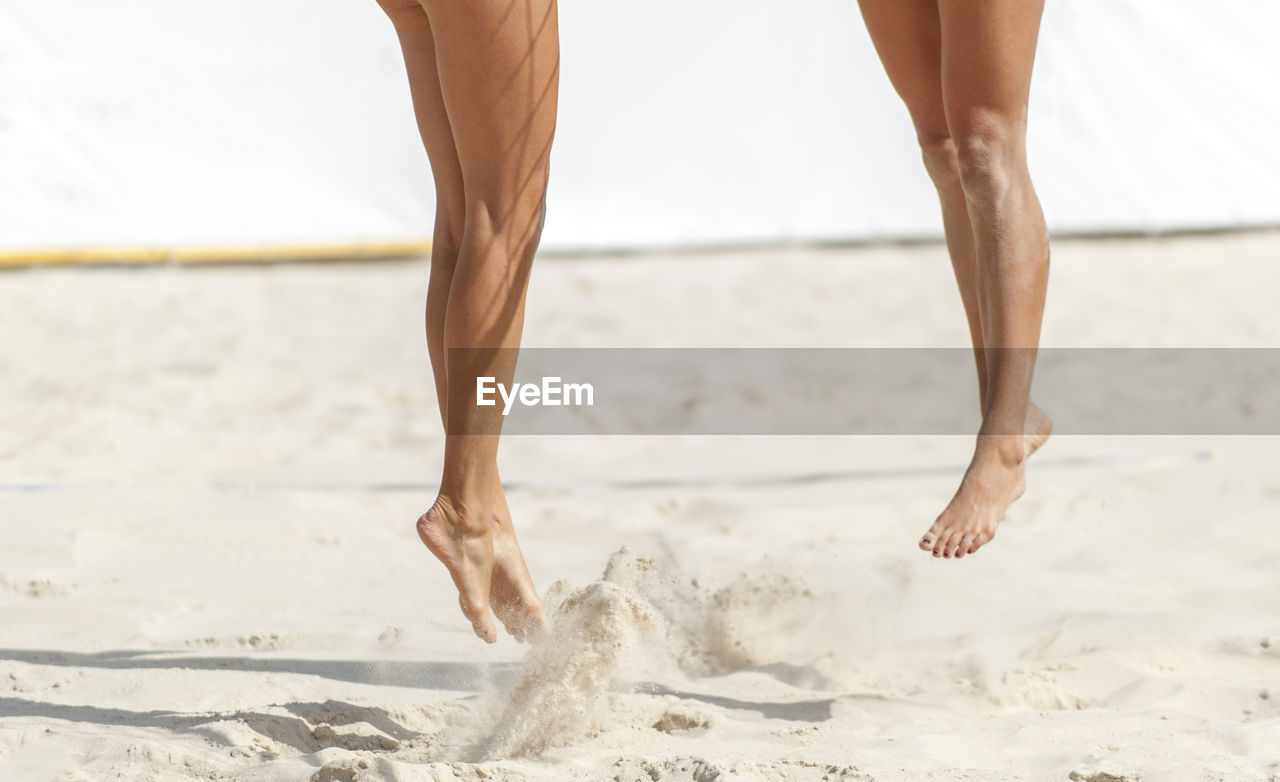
(484, 78)
(961, 95)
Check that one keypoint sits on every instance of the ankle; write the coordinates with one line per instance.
(468, 515)
(1002, 450)
(470, 485)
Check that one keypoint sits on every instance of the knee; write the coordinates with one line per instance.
(988, 157)
(939, 153)
(513, 222)
(513, 230)
(450, 225)
(446, 238)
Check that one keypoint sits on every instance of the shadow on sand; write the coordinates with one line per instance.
(306, 727)
(456, 676)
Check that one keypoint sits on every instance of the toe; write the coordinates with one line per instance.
(930, 539)
(950, 545)
(477, 612)
(538, 627)
(523, 618)
(965, 546)
(940, 544)
(512, 628)
(533, 620)
(510, 622)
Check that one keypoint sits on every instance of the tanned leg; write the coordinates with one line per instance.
(908, 35)
(988, 51)
(484, 78)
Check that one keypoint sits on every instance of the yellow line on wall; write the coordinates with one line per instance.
(211, 254)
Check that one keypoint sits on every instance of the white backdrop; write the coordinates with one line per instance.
(683, 122)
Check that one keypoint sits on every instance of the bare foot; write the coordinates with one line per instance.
(511, 592)
(992, 482)
(463, 541)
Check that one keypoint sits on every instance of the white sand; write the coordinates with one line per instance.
(211, 572)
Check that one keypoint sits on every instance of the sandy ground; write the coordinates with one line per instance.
(208, 569)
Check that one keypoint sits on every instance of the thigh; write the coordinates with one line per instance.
(499, 67)
(989, 47)
(907, 35)
(416, 41)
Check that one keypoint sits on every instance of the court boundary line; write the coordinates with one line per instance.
(212, 255)
(1151, 458)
